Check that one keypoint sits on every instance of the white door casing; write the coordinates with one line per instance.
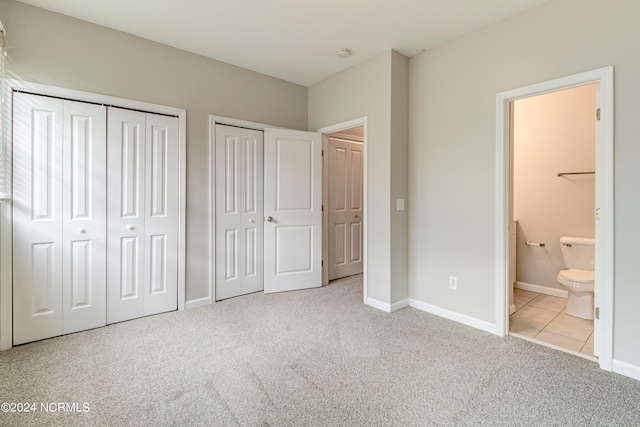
(239, 211)
(293, 210)
(345, 159)
(58, 217)
(142, 214)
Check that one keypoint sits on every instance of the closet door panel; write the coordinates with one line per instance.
(161, 214)
(84, 216)
(125, 214)
(239, 211)
(37, 217)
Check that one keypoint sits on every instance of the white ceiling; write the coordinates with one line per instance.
(294, 40)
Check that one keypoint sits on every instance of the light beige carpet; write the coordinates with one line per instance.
(315, 358)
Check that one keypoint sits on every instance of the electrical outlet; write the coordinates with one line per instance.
(453, 282)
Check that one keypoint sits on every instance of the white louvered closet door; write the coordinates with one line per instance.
(58, 217)
(142, 214)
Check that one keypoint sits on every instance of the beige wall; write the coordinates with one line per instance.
(365, 90)
(452, 148)
(553, 133)
(52, 49)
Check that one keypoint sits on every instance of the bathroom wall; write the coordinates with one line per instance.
(552, 133)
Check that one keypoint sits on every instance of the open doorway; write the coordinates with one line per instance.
(603, 114)
(552, 178)
(343, 197)
(345, 244)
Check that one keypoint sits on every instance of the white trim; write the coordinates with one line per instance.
(198, 302)
(452, 315)
(400, 305)
(362, 121)
(6, 269)
(387, 308)
(604, 200)
(560, 293)
(383, 306)
(626, 369)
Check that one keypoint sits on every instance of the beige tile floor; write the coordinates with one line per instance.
(543, 318)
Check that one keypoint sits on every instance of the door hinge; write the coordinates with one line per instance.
(597, 313)
(321, 153)
(322, 208)
(322, 263)
(598, 114)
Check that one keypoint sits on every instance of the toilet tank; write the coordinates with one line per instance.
(578, 252)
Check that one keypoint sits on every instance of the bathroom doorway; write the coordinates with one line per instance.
(602, 114)
(552, 150)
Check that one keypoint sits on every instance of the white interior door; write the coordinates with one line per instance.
(142, 214)
(125, 214)
(37, 218)
(293, 210)
(161, 214)
(58, 217)
(84, 216)
(239, 211)
(345, 207)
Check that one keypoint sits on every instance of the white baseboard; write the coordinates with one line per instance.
(542, 289)
(400, 304)
(197, 303)
(626, 369)
(456, 317)
(379, 305)
(387, 308)
(512, 309)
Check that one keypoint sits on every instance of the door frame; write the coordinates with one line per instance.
(604, 274)
(6, 220)
(326, 131)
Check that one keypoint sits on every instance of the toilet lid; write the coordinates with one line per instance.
(582, 276)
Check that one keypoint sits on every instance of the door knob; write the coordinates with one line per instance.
(252, 220)
(81, 230)
(130, 227)
(269, 219)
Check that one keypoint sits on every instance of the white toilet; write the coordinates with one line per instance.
(578, 255)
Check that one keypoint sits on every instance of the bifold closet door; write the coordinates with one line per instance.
(239, 211)
(59, 217)
(142, 214)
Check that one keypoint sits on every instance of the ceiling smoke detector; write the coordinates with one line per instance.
(343, 52)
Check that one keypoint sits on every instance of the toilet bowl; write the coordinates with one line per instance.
(578, 279)
(580, 285)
